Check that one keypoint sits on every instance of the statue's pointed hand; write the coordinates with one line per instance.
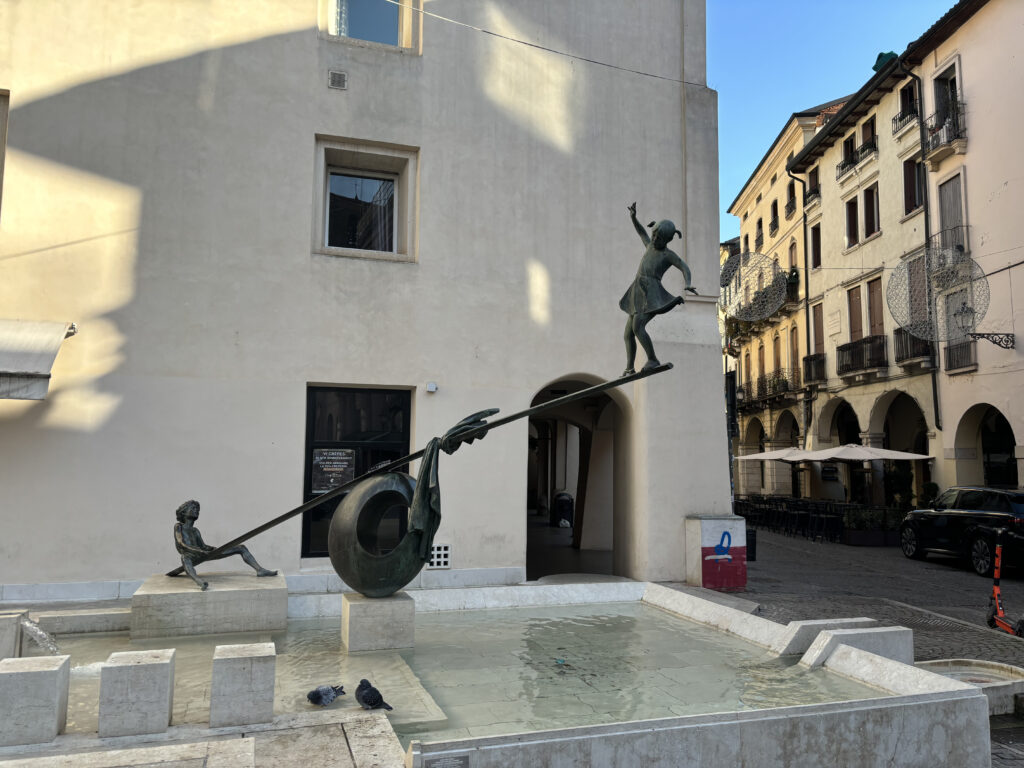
(454, 437)
(692, 290)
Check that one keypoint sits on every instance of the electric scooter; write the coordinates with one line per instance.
(997, 618)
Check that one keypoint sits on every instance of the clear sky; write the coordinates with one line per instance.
(768, 59)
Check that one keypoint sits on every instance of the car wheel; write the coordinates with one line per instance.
(909, 544)
(982, 558)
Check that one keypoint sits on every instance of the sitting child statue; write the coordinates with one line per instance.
(190, 545)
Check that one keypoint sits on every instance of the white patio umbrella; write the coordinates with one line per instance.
(779, 454)
(859, 453)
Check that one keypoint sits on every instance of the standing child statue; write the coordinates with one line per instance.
(647, 297)
(190, 545)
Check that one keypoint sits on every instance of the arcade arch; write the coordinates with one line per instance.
(985, 449)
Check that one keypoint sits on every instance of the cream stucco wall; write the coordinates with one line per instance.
(159, 191)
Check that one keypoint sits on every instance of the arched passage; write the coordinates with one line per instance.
(901, 421)
(578, 456)
(785, 477)
(985, 449)
(750, 475)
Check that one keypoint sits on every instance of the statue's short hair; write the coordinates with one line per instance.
(189, 506)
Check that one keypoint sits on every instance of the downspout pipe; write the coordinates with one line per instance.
(807, 293)
(902, 67)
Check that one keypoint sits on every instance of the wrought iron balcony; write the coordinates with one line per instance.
(868, 148)
(961, 355)
(758, 241)
(861, 355)
(905, 118)
(812, 194)
(790, 208)
(952, 239)
(846, 165)
(945, 128)
(814, 368)
(907, 346)
(773, 226)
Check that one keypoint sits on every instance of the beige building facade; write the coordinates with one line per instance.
(886, 198)
(293, 248)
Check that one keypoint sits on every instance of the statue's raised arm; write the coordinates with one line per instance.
(637, 225)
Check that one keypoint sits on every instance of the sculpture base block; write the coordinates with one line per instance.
(170, 606)
(716, 552)
(377, 623)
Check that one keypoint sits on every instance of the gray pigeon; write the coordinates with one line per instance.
(369, 697)
(325, 694)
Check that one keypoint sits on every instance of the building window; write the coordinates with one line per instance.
(746, 243)
(876, 324)
(375, 21)
(913, 185)
(348, 431)
(856, 314)
(817, 315)
(816, 246)
(867, 131)
(774, 177)
(367, 201)
(792, 255)
(871, 223)
(852, 221)
(850, 148)
(812, 180)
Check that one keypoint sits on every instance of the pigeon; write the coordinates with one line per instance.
(369, 697)
(325, 694)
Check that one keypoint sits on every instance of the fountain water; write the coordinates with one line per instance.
(42, 638)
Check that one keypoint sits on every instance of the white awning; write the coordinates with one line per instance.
(27, 352)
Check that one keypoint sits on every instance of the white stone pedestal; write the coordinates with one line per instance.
(136, 693)
(169, 606)
(377, 623)
(33, 699)
(242, 688)
(10, 634)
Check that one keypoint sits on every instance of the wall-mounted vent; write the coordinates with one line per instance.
(440, 557)
(337, 80)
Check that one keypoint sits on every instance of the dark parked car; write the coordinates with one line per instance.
(962, 522)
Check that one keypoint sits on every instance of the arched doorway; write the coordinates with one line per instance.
(576, 478)
(985, 449)
(751, 474)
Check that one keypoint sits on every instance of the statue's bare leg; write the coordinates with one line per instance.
(246, 555)
(191, 571)
(630, 347)
(640, 331)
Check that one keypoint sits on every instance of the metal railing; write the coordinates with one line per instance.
(946, 127)
(773, 226)
(846, 165)
(778, 382)
(869, 147)
(951, 238)
(814, 368)
(962, 354)
(790, 208)
(861, 355)
(907, 346)
(905, 118)
(812, 194)
(758, 241)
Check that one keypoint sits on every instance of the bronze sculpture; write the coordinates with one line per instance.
(190, 545)
(647, 297)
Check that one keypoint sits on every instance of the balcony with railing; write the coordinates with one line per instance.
(814, 368)
(846, 165)
(961, 356)
(947, 133)
(907, 115)
(908, 349)
(867, 149)
(758, 241)
(790, 208)
(952, 239)
(773, 226)
(861, 356)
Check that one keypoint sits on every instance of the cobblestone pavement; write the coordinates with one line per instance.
(944, 603)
